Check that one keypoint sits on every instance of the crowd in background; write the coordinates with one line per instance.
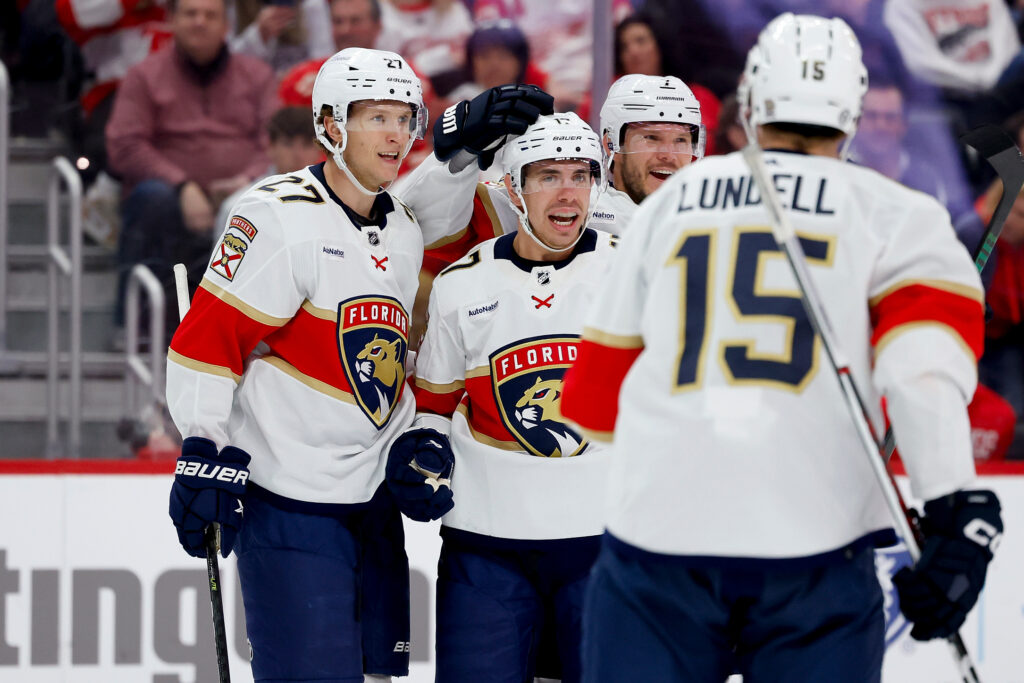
(173, 107)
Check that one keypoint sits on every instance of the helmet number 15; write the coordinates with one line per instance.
(751, 301)
(814, 69)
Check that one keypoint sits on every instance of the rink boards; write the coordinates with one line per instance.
(94, 587)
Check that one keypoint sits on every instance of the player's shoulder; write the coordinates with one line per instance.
(403, 210)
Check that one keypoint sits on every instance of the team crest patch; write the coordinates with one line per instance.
(373, 337)
(888, 561)
(228, 257)
(527, 380)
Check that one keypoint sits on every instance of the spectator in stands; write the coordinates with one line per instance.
(354, 23)
(958, 45)
(1002, 366)
(280, 32)
(881, 144)
(729, 135)
(187, 130)
(429, 33)
(293, 146)
(113, 36)
(497, 53)
(639, 49)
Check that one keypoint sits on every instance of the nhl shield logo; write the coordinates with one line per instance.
(527, 380)
(373, 336)
(888, 561)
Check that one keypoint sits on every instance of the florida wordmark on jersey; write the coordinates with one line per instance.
(731, 436)
(457, 212)
(500, 335)
(294, 348)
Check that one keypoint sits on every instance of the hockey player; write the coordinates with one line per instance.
(289, 371)
(743, 511)
(504, 325)
(650, 125)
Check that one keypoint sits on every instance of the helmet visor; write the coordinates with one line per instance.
(387, 116)
(661, 138)
(552, 175)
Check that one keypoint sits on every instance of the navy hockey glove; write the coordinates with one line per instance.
(480, 124)
(961, 530)
(208, 488)
(418, 473)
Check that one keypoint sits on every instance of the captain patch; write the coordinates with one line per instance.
(228, 257)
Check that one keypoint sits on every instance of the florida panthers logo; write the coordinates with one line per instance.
(372, 340)
(527, 382)
(888, 561)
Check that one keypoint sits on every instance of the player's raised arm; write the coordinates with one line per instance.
(466, 139)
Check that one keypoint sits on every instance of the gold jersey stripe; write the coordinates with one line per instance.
(482, 371)
(483, 438)
(944, 285)
(311, 382)
(205, 368)
(447, 240)
(594, 435)
(322, 313)
(233, 301)
(440, 388)
(616, 341)
(889, 336)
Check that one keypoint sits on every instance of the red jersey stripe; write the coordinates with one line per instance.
(218, 334)
(309, 343)
(915, 304)
(590, 390)
(483, 225)
(437, 399)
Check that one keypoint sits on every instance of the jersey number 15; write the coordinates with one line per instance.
(749, 301)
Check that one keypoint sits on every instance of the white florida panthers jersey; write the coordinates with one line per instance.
(731, 437)
(294, 348)
(500, 334)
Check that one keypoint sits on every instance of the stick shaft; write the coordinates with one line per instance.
(789, 244)
(212, 535)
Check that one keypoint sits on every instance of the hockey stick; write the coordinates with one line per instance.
(1002, 154)
(789, 245)
(211, 537)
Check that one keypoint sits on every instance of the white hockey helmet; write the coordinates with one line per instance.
(635, 98)
(556, 137)
(358, 74)
(804, 69)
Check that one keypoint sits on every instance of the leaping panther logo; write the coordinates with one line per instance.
(527, 382)
(372, 341)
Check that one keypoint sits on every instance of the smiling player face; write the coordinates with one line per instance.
(650, 153)
(378, 133)
(557, 197)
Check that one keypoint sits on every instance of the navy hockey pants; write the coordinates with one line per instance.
(505, 616)
(650, 620)
(326, 597)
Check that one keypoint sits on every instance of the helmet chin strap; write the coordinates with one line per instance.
(337, 151)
